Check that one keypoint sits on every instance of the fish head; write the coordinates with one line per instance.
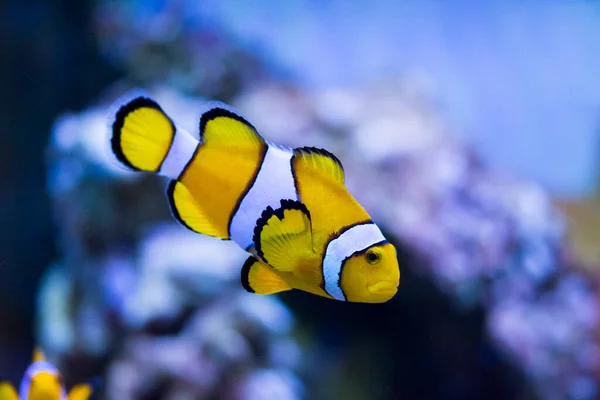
(371, 275)
(42, 380)
(46, 386)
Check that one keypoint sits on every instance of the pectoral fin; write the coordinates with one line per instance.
(82, 391)
(283, 237)
(260, 278)
(7, 391)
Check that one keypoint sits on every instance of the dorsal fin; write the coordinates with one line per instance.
(186, 211)
(319, 177)
(38, 355)
(222, 124)
(322, 161)
(283, 237)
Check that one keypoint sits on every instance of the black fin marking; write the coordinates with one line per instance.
(117, 126)
(294, 177)
(221, 110)
(286, 204)
(246, 271)
(321, 152)
(170, 192)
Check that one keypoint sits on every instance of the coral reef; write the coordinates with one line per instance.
(484, 239)
(134, 293)
(168, 42)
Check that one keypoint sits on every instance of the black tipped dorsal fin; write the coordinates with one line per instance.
(320, 161)
(222, 125)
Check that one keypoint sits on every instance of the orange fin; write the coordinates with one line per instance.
(7, 391)
(82, 391)
(142, 134)
(221, 125)
(322, 162)
(260, 278)
(319, 178)
(282, 237)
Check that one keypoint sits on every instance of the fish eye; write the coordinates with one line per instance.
(373, 256)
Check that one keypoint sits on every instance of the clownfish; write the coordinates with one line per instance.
(42, 381)
(287, 207)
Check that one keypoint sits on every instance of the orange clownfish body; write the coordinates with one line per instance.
(42, 381)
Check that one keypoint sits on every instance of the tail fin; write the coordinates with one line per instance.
(143, 135)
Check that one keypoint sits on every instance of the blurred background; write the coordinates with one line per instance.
(469, 130)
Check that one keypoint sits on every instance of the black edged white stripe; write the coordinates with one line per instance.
(249, 186)
(273, 183)
(183, 147)
(353, 240)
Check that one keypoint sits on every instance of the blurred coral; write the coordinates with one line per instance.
(168, 42)
(484, 239)
(136, 292)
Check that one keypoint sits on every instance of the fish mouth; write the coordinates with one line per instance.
(384, 287)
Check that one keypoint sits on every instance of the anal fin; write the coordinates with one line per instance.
(186, 211)
(283, 237)
(260, 278)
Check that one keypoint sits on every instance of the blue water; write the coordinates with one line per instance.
(521, 80)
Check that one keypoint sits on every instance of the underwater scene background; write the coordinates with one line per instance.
(469, 131)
